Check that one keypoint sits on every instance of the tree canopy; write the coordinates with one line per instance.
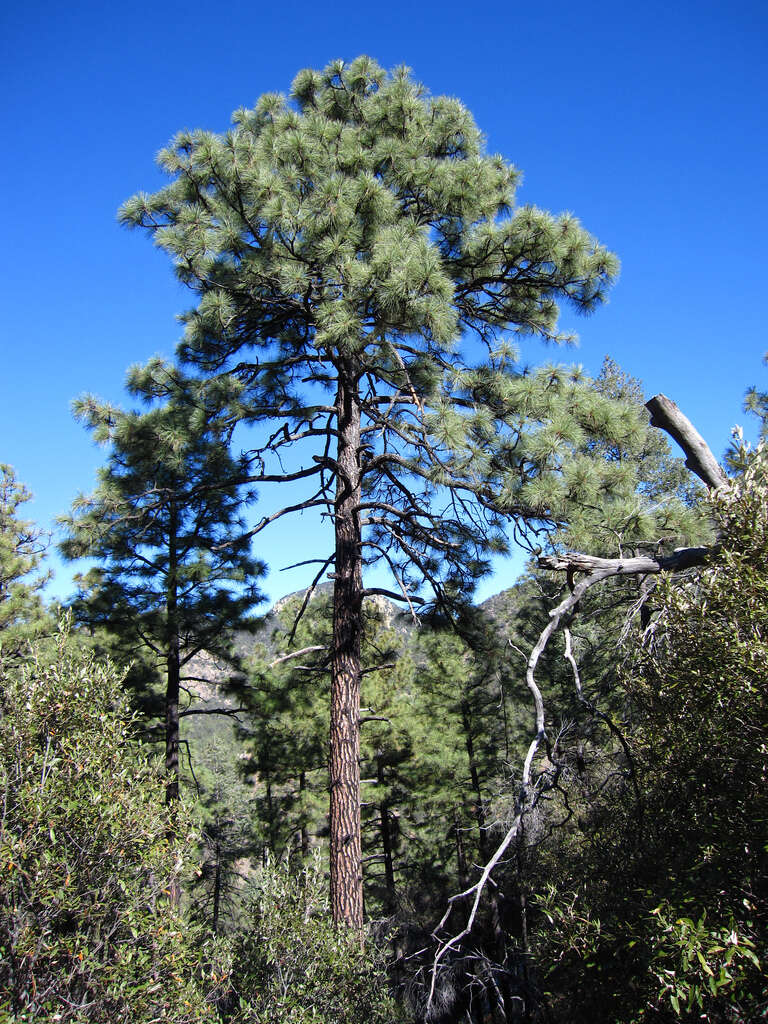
(361, 273)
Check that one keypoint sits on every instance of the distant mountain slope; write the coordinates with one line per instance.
(211, 677)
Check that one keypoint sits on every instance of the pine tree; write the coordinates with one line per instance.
(175, 576)
(360, 271)
(229, 830)
(756, 402)
(22, 546)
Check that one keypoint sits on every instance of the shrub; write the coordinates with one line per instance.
(660, 912)
(88, 855)
(294, 967)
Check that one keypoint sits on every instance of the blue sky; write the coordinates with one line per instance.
(648, 121)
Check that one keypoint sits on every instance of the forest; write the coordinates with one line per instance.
(385, 802)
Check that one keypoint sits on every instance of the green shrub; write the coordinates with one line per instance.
(294, 967)
(659, 910)
(87, 856)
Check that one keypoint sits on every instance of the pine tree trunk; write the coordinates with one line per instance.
(172, 685)
(303, 834)
(217, 888)
(461, 856)
(386, 839)
(173, 667)
(346, 856)
(272, 822)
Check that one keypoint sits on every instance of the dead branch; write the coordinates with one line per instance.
(228, 712)
(308, 597)
(575, 561)
(297, 654)
(699, 458)
(383, 592)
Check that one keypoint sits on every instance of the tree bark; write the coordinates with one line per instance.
(216, 887)
(303, 834)
(698, 458)
(461, 856)
(172, 684)
(173, 667)
(346, 855)
(576, 561)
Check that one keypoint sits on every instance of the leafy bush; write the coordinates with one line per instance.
(294, 967)
(702, 692)
(662, 913)
(88, 856)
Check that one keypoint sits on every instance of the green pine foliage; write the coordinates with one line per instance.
(444, 715)
(661, 501)
(356, 234)
(230, 837)
(173, 574)
(164, 521)
(87, 932)
(755, 403)
(286, 738)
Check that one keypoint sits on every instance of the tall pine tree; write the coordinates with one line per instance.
(359, 272)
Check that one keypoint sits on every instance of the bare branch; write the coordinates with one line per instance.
(227, 712)
(299, 507)
(297, 654)
(574, 561)
(383, 592)
(699, 459)
(308, 597)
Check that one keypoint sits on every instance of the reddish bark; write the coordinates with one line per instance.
(346, 854)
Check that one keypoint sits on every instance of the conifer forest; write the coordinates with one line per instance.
(381, 802)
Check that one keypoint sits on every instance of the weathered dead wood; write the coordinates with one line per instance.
(297, 654)
(575, 561)
(698, 457)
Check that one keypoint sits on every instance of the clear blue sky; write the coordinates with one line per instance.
(646, 120)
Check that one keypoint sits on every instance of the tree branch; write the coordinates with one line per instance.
(228, 712)
(699, 459)
(575, 561)
(296, 654)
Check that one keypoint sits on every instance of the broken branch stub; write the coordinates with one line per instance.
(698, 457)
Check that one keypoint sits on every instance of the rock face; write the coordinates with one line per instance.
(211, 678)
